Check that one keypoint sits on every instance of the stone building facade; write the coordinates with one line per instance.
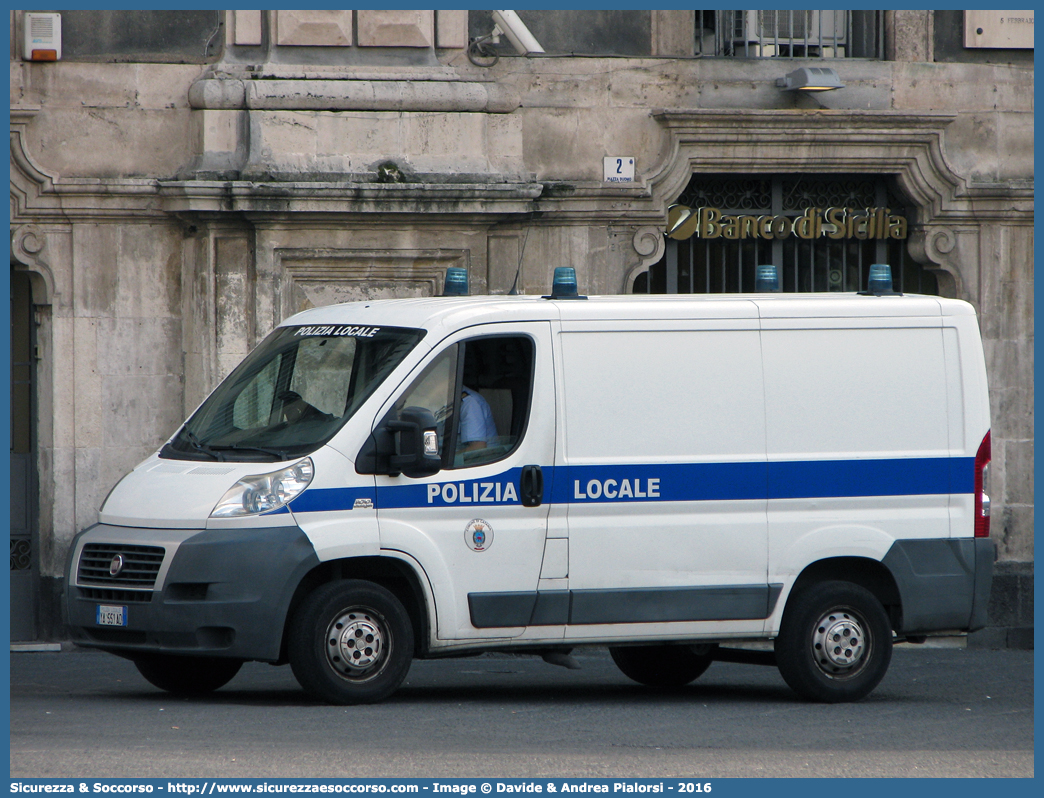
(179, 184)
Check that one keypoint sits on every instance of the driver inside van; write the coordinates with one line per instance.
(477, 428)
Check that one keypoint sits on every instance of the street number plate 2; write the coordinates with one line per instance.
(109, 615)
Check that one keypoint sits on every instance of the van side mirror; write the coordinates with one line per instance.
(406, 445)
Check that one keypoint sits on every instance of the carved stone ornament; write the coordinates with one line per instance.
(27, 242)
(940, 242)
(649, 242)
(935, 247)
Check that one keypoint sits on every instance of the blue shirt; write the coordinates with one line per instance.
(476, 419)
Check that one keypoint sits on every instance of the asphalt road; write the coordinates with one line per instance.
(939, 712)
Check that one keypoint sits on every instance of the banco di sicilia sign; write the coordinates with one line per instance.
(835, 223)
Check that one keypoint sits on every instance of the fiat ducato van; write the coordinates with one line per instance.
(675, 478)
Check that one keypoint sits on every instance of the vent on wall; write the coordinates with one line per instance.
(43, 37)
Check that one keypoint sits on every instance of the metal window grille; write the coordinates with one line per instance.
(720, 265)
(790, 33)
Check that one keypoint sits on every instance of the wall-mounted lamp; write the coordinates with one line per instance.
(811, 79)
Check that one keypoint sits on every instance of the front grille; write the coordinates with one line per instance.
(141, 565)
(121, 596)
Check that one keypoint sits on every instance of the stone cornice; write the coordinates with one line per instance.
(216, 197)
(39, 194)
(273, 88)
(20, 119)
(910, 146)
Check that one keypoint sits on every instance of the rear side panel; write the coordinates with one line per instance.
(858, 438)
(873, 425)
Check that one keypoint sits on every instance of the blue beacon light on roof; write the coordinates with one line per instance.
(563, 284)
(766, 279)
(880, 279)
(456, 282)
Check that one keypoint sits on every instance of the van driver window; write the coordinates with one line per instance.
(481, 405)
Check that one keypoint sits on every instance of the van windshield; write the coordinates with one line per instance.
(292, 393)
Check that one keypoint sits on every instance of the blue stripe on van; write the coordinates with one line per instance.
(499, 490)
(962, 474)
(852, 478)
(674, 482)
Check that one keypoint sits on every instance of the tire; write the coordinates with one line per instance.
(187, 676)
(324, 633)
(853, 620)
(660, 666)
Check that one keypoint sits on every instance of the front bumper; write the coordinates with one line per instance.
(216, 593)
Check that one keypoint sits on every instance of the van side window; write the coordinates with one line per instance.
(479, 392)
(496, 389)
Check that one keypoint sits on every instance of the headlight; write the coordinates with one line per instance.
(264, 492)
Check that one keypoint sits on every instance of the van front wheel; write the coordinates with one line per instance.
(660, 666)
(835, 643)
(350, 642)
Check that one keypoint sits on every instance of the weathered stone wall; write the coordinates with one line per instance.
(108, 121)
(114, 362)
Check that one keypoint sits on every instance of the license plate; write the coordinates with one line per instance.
(109, 615)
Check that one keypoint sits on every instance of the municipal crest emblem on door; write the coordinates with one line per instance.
(478, 535)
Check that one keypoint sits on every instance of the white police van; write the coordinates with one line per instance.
(673, 477)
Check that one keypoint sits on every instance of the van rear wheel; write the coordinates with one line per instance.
(187, 675)
(660, 666)
(835, 643)
(351, 642)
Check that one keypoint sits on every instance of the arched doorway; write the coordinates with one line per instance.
(727, 265)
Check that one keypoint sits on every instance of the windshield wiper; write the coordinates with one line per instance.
(199, 446)
(235, 447)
